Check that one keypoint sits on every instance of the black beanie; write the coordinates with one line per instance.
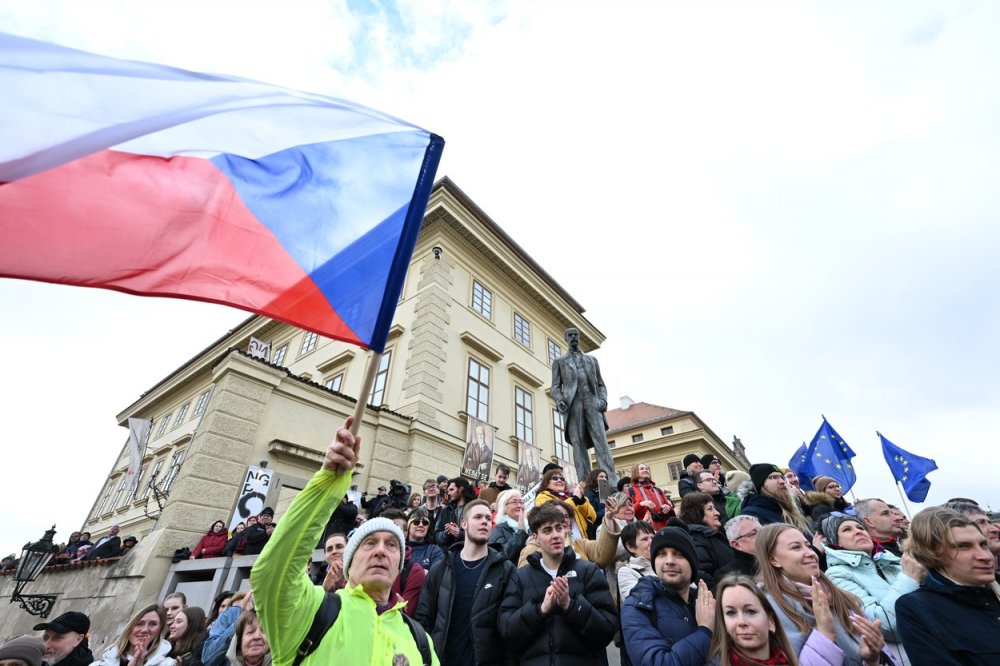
(760, 472)
(679, 539)
(691, 458)
(708, 459)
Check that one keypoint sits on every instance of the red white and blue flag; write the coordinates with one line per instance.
(157, 181)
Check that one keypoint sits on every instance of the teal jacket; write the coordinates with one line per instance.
(287, 601)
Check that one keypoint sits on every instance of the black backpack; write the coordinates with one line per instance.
(327, 614)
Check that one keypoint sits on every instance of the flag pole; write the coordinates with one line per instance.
(906, 506)
(366, 388)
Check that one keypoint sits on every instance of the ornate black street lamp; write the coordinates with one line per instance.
(34, 557)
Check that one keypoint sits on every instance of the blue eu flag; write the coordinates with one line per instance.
(829, 455)
(908, 469)
(797, 465)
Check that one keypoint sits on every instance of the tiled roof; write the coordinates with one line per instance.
(638, 414)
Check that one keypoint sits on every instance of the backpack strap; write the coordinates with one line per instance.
(325, 616)
(420, 638)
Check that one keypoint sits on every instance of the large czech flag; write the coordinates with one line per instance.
(158, 181)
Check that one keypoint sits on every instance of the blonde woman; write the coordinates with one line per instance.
(792, 580)
(510, 530)
(143, 642)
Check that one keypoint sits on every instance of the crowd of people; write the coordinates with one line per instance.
(742, 568)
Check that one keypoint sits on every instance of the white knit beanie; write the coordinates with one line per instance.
(370, 527)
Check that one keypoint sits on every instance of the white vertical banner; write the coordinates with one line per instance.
(252, 495)
(259, 349)
(138, 431)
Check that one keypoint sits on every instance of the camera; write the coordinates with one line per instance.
(399, 494)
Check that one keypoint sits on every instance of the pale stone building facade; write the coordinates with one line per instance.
(475, 330)
(660, 437)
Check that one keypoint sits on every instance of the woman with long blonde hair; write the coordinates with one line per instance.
(792, 580)
(143, 642)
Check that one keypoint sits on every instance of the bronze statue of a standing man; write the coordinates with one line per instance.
(582, 399)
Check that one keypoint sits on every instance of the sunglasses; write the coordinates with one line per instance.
(420, 521)
(558, 478)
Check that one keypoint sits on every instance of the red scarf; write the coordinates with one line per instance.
(777, 658)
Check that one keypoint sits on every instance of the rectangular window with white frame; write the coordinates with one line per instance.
(118, 493)
(110, 487)
(477, 403)
(558, 436)
(555, 351)
(152, 478)
(181, 413)
(377, 394)
(522, 330)
(176, 461)
(482, 299)
(334, 383)
(308, 343)
(202, 403)
(524, 427)
(279, 354)
(164, 422)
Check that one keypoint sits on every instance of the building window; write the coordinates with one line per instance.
(279, 354)
(152, 479)
(132, 494)
(378, 388)
(562, 448)
(110, 486)
(675, 470)
(482, 299)
(181, 413)
(637, 438)
(667, 430)
(308, 343)
(173, 470)
(523, 424)
(334, 383)
(118, 493)
(202, 403)
(522, 330)
(555, 351)
(477, 403)
(611, 445)
(164, 422)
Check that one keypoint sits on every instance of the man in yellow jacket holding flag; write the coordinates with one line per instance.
(369, 627)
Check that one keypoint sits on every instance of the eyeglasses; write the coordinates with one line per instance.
(710, 479)
(420, 521)
(514, 502)
(751, 533)
(558, 478)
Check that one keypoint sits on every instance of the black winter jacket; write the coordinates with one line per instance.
(744, 563)
(945, 623)
(256, 538)
(509, 541)
(763, 508)
(713, 552)
(579, 635)
(686, 485)
(436, 602)
(450, 513)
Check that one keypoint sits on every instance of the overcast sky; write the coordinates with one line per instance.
(773, 210)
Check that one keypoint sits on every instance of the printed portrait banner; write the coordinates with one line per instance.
(528, 470)
(478, 450)
(252, 495)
